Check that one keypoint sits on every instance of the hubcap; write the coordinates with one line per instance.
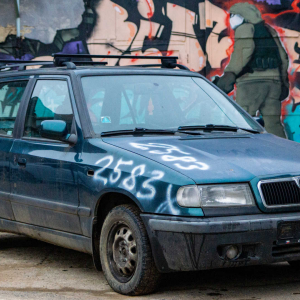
(124, 251)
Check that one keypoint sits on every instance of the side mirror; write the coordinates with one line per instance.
(259, 121)
(56, 130)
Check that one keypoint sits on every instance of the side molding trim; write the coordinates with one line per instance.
(64, 208)
(55, 237)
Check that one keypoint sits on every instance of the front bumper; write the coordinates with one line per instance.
(186, 244)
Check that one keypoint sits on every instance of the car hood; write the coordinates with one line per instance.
(218, 158)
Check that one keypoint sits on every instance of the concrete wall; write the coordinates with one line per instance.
(198, 31)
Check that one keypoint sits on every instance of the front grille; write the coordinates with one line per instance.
(280, 192)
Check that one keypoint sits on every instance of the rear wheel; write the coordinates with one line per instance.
(125, 253)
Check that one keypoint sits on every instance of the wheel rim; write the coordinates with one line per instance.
(122, 252)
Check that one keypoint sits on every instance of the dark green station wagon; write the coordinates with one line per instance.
(150, 169)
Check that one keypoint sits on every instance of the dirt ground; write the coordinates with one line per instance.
(30, 269)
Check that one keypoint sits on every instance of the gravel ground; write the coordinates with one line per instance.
(30, 269)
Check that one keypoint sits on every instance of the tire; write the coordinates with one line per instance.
(294, 263)
(125, 253)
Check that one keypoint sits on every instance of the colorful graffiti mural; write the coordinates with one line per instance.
(250, 49)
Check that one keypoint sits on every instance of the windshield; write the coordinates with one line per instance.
(158, 102)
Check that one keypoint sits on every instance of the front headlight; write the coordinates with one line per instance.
(188, 196)
(215, 195)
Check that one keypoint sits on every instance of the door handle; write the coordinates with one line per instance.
(22, 162)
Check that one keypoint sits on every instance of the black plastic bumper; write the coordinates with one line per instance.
(186, 244)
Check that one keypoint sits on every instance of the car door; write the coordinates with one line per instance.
(44, 171)
(11, 93)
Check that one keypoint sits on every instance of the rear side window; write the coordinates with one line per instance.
(50, 100)
(10, 98)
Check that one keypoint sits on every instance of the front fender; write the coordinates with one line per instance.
(150, 184)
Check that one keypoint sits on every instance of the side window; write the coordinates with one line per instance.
(10, 98)
(50, 100)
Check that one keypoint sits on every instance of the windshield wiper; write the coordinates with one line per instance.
(137, 131)
(182, 129)
(211, 127)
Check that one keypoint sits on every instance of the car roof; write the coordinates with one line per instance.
(103, 70)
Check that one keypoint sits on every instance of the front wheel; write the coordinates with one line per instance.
(125, 253)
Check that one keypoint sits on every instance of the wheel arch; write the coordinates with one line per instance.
(108, 199)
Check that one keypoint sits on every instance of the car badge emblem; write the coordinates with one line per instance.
(297, 181)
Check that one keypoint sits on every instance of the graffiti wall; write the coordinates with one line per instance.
(250, 49)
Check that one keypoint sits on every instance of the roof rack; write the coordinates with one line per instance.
(22, 64)
(71, 60)
(15, 61)
(166, 61)
(71, 64)
(56, 55)
(10, 64)
(172, 66)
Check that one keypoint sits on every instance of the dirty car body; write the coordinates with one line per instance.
(212, 188)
